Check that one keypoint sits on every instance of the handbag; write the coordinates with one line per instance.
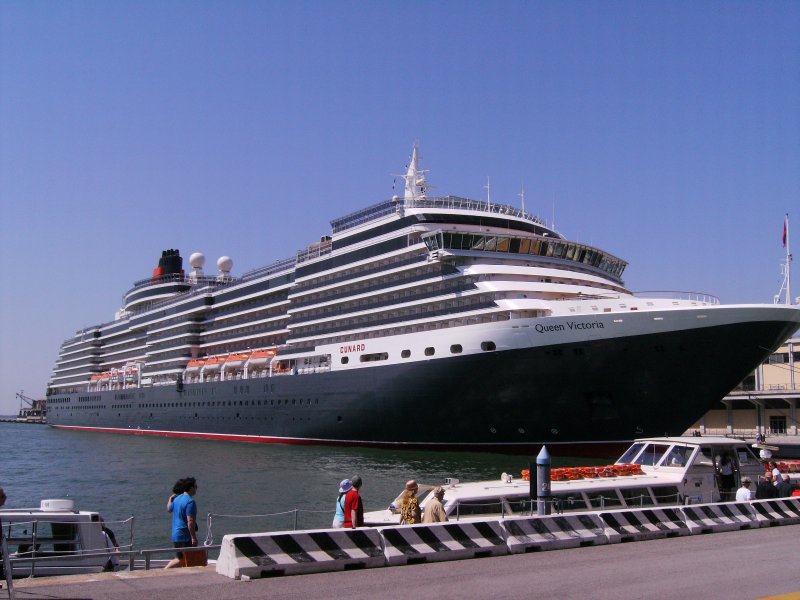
(194, 558)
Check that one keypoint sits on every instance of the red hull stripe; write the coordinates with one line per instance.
(605, 449)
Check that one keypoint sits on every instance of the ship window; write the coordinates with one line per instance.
(405, 353)
(373, 357)
(488, 346)
(429, 351)
(345, 360)
(636, 497)
(603, 499)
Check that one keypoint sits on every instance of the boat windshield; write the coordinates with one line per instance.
(630, 454)
(653, 453)
(678, 456)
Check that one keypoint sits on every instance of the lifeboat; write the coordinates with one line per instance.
(235, 361)
(261, 357)
(214, 363)
(195, 365)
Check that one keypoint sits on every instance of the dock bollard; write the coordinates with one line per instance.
(543, 504)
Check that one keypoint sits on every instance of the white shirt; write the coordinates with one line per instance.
(743, 494)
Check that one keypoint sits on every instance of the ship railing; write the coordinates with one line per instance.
(303, 287)
(131, 559)
(314, 251)
(455, 287)
(458, 203)
(387, 207)
(749, 433)
(293, 520)
(276, 267)
(698, 297)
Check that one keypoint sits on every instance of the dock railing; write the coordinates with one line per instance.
(134, 559)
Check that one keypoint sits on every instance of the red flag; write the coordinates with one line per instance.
(785, 227)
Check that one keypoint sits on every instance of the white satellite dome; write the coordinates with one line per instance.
(197, 260)
(225, 264)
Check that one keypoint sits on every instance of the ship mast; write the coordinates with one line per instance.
(786, 267)
(416, 186)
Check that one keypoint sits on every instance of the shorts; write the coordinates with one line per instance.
(182, 545)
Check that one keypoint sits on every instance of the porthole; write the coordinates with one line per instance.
(405, 353)
(488, 346)
(456, 349)
(345, 360)
(429, 351)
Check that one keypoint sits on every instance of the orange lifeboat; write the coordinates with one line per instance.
(215, 363)
(261, 357)
(236, 361)
(195, 365)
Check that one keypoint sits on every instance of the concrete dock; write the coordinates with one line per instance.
(759, 563)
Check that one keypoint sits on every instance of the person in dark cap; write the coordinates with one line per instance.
(434, 509)
(765, 489)
(354, 506)
(784, 487)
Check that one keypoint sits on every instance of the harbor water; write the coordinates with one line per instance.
(245, 487)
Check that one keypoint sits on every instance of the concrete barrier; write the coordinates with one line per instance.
(412, 544)
(710, 518)
(292, 552)
(643, 524)
(553, 532)
(779, 511)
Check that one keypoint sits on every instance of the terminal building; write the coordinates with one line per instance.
(765, 403)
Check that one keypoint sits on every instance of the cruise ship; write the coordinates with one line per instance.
(418, 322)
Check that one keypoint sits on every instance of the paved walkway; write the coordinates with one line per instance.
(735, 565)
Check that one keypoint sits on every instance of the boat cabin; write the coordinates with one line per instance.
(652, 472)
(55, 539)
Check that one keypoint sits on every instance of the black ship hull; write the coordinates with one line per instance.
(580, 399)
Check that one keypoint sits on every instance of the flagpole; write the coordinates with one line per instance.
(788, 265)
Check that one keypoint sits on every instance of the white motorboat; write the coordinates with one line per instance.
(654, 471)
(55, 539)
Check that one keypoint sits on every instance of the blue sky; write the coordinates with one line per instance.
(667, 133)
